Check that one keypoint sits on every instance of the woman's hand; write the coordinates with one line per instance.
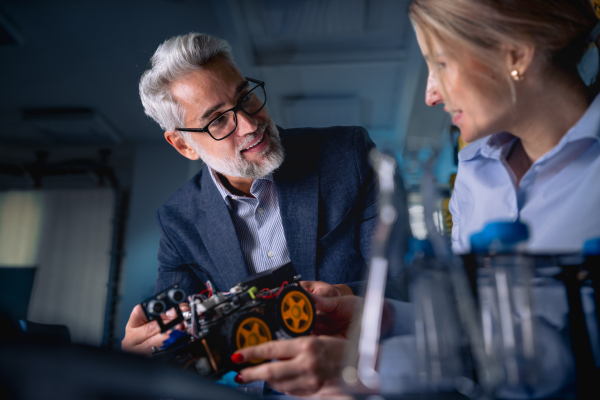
(324, 289)
(336, 314)
(307, 365)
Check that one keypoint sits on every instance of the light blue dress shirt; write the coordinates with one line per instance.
(558, 197)
(258, 224)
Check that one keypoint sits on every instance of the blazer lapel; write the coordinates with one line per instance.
(218, 233)
(298, 196)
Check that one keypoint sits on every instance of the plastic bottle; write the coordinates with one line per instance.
(504, 281)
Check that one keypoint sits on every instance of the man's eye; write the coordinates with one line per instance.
(248, 98)
(218, 121)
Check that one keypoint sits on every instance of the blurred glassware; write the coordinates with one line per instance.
(509, 332)
(443, 359)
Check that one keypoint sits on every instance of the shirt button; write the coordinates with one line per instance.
(270, 254)
(260, 210)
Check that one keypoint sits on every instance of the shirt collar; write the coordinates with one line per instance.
(227, 195)
(588, 126)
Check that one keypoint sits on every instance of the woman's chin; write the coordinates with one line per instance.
(470, 136)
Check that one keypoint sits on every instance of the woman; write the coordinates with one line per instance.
(506, 71)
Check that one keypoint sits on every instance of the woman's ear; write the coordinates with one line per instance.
(519, 58)
(176, 140)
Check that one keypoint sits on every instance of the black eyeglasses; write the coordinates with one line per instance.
(225, 124)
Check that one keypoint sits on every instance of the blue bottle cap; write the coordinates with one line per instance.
(592, 247)
(499, 237)
(418, 247)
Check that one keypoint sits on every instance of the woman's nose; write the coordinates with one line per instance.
(432, 93)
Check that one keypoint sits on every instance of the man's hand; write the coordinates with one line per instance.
(308, 364)
(141, 335)
(325, 289)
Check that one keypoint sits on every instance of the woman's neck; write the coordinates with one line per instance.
(547, 112)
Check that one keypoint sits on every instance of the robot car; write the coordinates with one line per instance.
(218, 324)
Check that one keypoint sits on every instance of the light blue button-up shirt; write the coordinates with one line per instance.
(558, 197)
(258, 224)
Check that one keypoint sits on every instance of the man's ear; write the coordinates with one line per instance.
(519, 58)
(176, 140)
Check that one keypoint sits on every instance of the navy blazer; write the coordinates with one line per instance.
(327, 198)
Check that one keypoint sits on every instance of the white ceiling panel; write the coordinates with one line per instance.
(373, 86)
(321, 112)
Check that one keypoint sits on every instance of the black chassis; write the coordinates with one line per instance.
(204, 344)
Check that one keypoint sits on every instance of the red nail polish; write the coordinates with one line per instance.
(238, 378)
(237, 358)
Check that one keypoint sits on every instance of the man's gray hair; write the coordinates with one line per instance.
(174, 59)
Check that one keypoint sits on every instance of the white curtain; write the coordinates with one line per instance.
(67, 234)
(20, 221)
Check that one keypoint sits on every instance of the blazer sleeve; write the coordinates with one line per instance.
(172, 268)
(368, 198)
(368, 208)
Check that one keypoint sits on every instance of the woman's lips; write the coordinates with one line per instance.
(456, 119)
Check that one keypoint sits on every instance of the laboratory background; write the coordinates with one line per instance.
(83, 170)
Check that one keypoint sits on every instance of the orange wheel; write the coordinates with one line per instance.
(249, 329)
(252, 331)
(296, 311)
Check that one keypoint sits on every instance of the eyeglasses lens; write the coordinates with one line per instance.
(251, 104)
(254, 101)
(223, 125)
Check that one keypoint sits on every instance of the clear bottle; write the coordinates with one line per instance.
(504, 288)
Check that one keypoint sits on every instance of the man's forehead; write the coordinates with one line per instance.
(208, 90)
(208, 82)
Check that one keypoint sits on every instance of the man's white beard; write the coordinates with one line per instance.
(237, 166)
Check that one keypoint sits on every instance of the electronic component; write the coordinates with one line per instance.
(218, 324)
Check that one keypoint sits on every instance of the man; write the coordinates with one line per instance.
(266, 196)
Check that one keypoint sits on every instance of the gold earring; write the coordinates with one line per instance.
(516, 75)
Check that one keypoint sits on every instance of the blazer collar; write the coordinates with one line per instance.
(218, 233)
(297, 183)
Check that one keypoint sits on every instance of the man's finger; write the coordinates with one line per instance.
(150, 329)
(137, 317)
(155, 341)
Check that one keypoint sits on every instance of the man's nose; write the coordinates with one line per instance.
(245, 123)
(432, 93)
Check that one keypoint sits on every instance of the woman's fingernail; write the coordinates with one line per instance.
(237, 358)
(238, 378)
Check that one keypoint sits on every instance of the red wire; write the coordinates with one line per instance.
(270, 291)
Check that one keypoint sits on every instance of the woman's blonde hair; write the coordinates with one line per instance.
(558, 29)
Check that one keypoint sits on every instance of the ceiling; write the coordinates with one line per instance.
(70, 77)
